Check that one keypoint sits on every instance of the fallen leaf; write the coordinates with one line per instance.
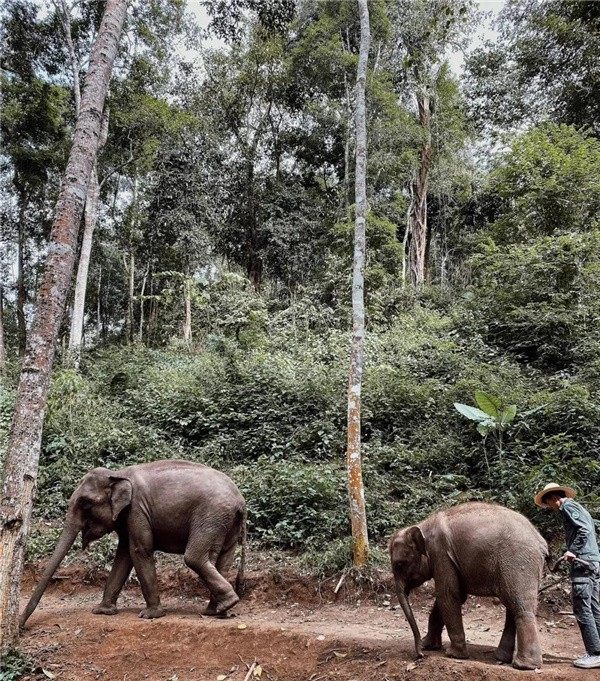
(335, 652)
(48, 674)
(411, 666)
(257, 671)
(242, 626)
(221, 677)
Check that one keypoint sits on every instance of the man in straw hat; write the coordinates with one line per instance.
(584, 557)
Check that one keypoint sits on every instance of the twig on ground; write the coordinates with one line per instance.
(339, 584)
(249, 674)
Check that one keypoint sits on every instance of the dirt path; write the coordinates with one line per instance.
(291, 632)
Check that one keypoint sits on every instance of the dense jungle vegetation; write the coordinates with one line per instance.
(218, 301)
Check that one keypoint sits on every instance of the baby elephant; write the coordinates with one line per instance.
(173, 506)
(480, 549)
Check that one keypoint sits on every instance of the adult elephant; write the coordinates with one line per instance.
(172, 506)
(479, 549)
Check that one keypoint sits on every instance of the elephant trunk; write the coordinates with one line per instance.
(408, 612)
(65, 541)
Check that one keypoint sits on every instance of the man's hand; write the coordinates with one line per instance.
(568, 556)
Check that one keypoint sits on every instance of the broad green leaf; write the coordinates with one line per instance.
(491, 405)
(509, 414)
(471, 413)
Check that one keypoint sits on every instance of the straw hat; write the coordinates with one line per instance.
(568, 492)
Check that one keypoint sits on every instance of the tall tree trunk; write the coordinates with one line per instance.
(2, 347)
(99, 305)
(130, 271)
(130, 268)
(187, 324)
(21, 464)
(90, 219)
(21, 291)
(356, 492)
(254, 259)
(417, 253)
(142, 292)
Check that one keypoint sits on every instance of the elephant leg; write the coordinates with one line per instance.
(120, 571)
(450, 598)
(222, 595)
(528, 654)
(433, 638)
(223, 566)
(142, 556)
(506, 647)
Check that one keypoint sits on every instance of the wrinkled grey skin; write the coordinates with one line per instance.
(172, 506)
(479, 549)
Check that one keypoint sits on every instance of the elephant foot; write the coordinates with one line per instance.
(503, 655)
(459, 652)
(105, 609)
(152, 613)
(211, 611)
(220, 606)
(527, 663)
(432, 643)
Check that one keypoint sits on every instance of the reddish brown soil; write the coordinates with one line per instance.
(289, 626)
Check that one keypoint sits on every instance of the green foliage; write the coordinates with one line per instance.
(538, 299)
(15, 664)
(294, 505)
(542, 66)
(85, 429)
(548, 183)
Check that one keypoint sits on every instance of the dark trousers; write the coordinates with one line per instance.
(586, 605)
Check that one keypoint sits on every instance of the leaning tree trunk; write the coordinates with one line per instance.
(355, 484)
(90, 219)
(417, 253)
(20, 468)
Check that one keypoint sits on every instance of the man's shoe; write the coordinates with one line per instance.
(587, 662)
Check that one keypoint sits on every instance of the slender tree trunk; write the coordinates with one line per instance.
(21, 292)
(355, 484)
(130, 270)
(142, 292)
(187, 324)
(417, 254)
(406, 237)
(254, 259)
(2, 347)
(99, 305)
(90, 220)
(21, 464)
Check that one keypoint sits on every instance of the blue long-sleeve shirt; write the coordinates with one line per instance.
(580, 531)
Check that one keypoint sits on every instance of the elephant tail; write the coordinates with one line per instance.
(240, 583)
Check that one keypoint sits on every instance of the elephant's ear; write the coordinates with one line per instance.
(418, 539)
(121, 491)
